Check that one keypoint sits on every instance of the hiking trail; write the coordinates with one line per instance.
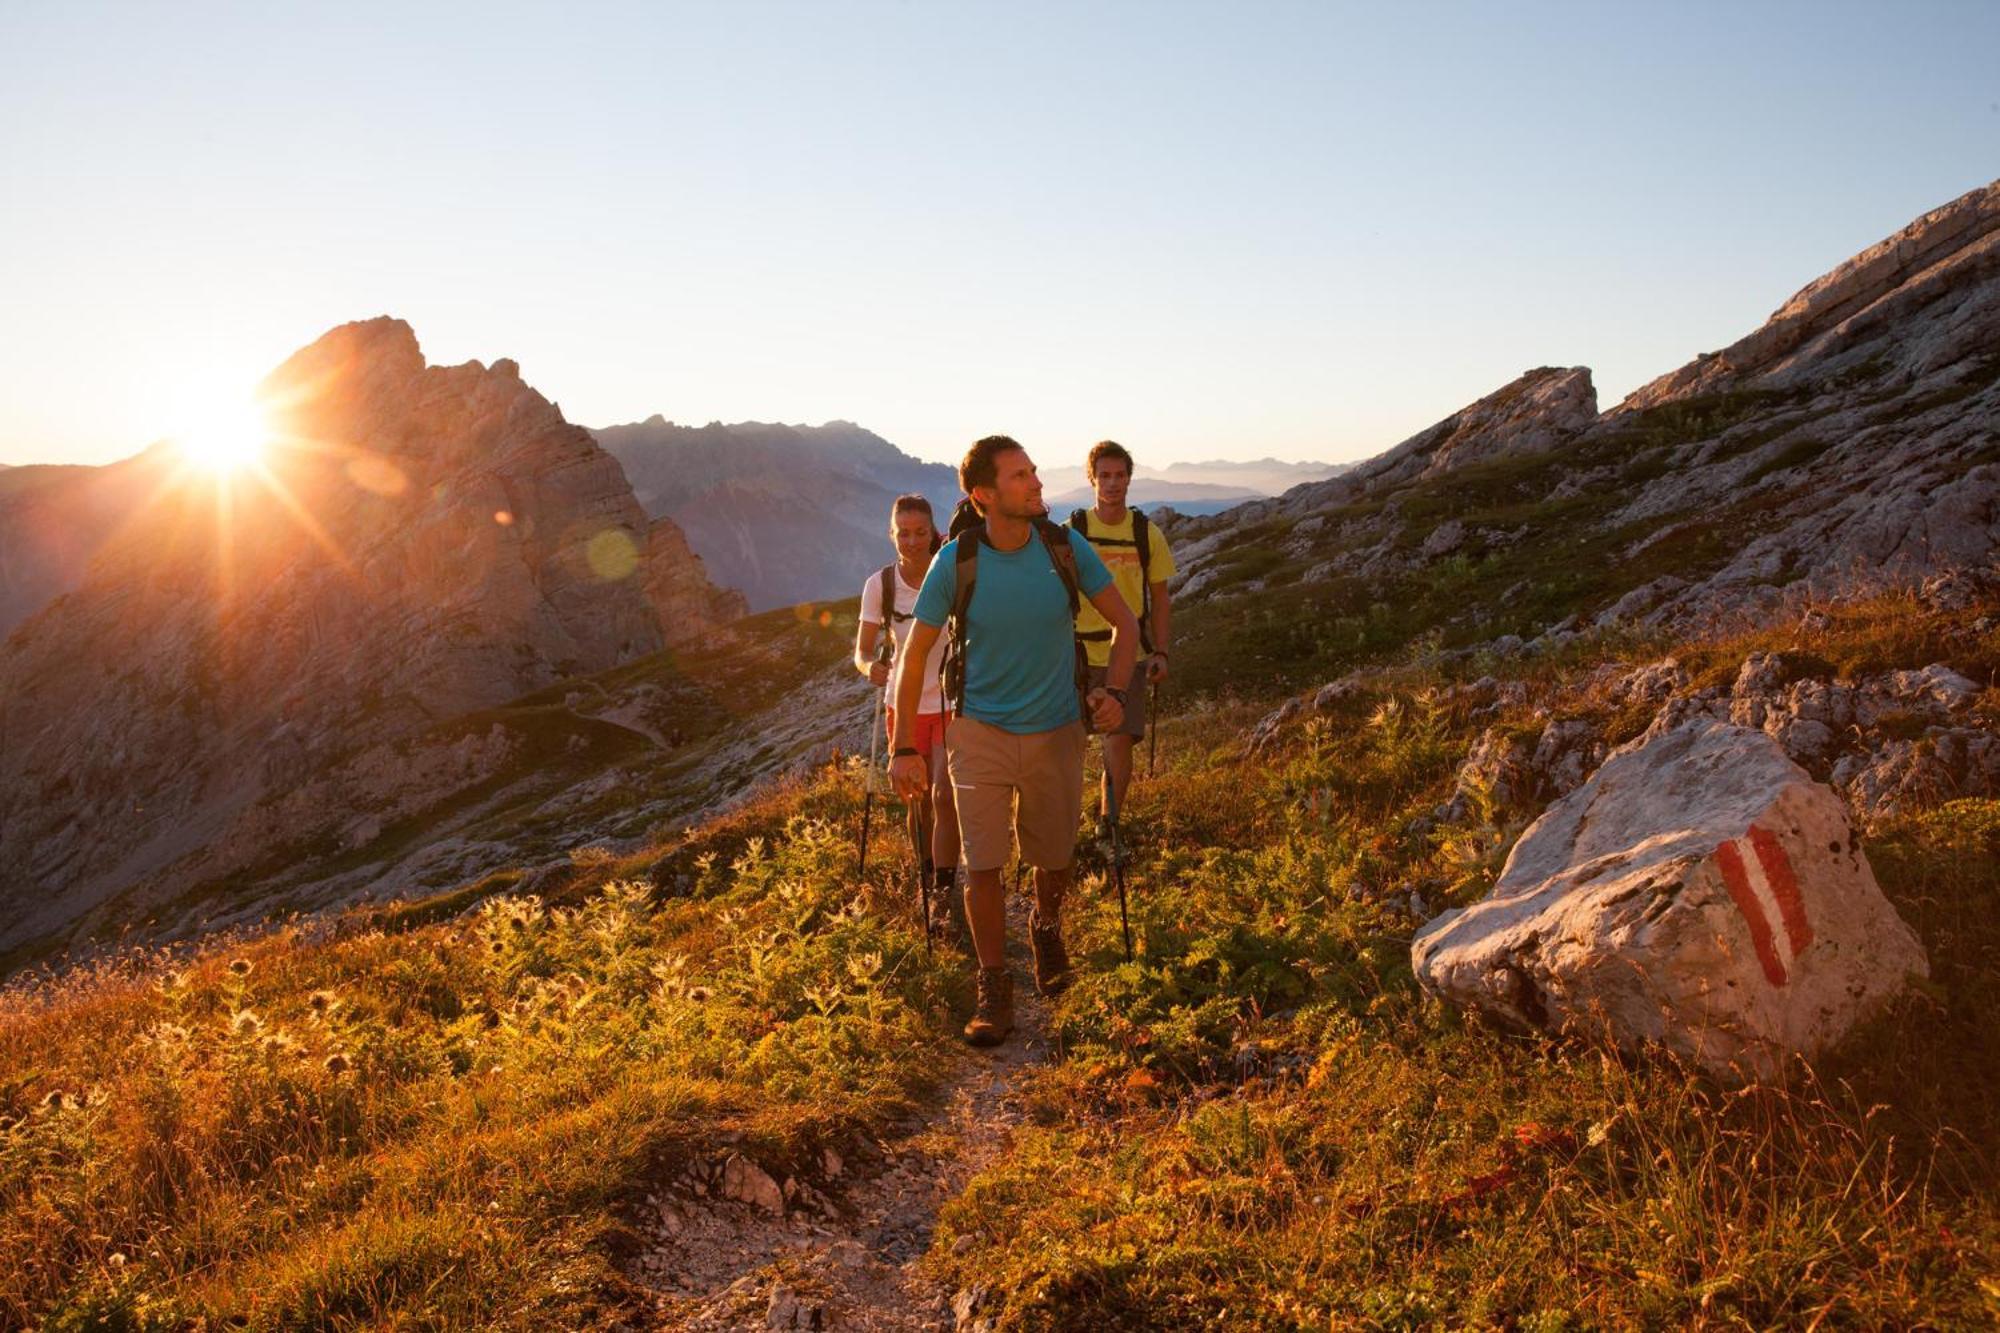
(735, 1249)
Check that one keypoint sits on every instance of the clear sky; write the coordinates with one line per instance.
(1220, 230)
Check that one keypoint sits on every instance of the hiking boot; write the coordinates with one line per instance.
(1051, 959)
(993, 1018)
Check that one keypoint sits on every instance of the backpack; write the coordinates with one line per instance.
(963, 515)
(1142, 539)
(1056, 543)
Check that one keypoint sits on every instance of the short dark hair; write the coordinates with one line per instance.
(981, 466)
(1105, 449)
(912, 503)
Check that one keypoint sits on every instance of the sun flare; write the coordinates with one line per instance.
(225, 436)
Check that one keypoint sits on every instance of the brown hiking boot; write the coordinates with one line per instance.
(1051, 959)
(993, 1019)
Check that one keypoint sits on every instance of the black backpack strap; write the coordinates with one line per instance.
(965, 571)
(1142, 537)
(1063, 556)
(890, 615)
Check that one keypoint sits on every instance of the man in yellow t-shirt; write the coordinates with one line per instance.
(1111, 528)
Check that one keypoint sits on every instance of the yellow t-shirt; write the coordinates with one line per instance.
(1123, 561)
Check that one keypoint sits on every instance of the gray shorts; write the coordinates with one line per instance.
(1135, 700)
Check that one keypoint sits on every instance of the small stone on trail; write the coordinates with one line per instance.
(830, 1162)
(962, 1244)
(744, 1180)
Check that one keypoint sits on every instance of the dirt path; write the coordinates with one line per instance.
(737, 1249)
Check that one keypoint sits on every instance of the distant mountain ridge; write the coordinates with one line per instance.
(787, 514)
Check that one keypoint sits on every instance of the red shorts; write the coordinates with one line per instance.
(929, 736)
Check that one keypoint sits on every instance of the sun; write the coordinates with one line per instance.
(225, 436)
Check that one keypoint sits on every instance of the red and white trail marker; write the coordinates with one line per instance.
(1759, 877)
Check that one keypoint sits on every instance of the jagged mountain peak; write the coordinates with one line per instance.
(418, 542)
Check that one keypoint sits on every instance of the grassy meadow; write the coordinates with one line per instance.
(444, 1113)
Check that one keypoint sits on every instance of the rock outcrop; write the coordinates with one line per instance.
(1884, 741)
(421, 542)
(1700, 891)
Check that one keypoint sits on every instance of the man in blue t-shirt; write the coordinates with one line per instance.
(1015, 742)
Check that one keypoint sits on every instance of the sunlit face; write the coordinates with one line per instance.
(225, 436)
(913, 533)
(1108, 480)
(1017, 489)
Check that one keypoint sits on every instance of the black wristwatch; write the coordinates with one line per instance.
(1115, 693)
(902, 750)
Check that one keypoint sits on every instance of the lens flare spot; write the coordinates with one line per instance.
(825, 619)
(503, 518)
(803, 611)
(372, 472)
(613, 555)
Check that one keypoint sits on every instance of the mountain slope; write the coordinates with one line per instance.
(786, 513)
(53, 519)
(424, 541)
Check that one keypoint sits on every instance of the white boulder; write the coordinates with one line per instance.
(1700, 891)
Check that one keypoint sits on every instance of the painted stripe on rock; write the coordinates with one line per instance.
(1736, 878)
(1784, 887)
(1759, 876)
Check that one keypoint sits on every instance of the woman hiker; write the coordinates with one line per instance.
(890, 597)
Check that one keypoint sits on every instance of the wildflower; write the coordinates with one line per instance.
(240, 967)
(322, 1003)
(244, 1023)
(699, 993)
(57, 1100)
(116, 1260)
(338, 1064)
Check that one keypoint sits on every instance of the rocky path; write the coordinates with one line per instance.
(732, 1247)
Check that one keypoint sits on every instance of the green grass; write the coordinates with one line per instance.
(1262, 1123)
(435, 1119)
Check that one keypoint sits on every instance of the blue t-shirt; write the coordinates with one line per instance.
(1020, 647)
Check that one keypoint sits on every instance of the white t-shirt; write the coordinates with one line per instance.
(906, 602)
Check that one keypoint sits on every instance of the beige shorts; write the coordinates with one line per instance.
(1033, 782)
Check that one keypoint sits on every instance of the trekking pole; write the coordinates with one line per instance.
(874, 749)
(923, 862)
(1118, 868)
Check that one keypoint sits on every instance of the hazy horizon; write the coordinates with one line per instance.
(1300, 232)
